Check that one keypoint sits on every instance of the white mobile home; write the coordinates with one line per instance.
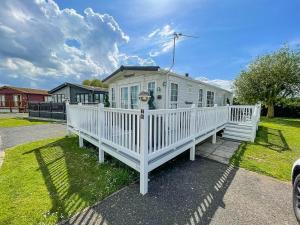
(169, 89)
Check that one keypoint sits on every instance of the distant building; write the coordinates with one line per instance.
(15, 99)
(76, 93)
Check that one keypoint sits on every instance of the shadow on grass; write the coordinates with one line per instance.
(74, 178)
(272, 139)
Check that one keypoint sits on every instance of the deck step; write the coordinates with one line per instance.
(240, 126)
(234, 137)
(238, 130)
(232, 133)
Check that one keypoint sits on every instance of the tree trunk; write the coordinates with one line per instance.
(270, 113)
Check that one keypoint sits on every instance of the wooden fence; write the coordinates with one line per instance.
(145, 139)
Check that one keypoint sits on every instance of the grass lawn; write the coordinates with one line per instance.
(16, 122)
(46, 181)
(276, 147)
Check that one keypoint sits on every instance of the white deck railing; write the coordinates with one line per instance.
(145, 139)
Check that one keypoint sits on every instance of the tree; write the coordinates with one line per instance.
(94, 83)
(106, 101)
(269, 79)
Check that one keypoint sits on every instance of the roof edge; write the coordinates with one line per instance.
(136, 68)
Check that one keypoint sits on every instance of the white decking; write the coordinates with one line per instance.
(145, 139)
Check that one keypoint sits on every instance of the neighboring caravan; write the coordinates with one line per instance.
(15, 99)
(169, 89)
(76, 93)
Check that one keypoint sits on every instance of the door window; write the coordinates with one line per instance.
(124, 97)
(134, 91)
(174, 95)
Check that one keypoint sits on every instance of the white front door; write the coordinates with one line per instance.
(129, 97)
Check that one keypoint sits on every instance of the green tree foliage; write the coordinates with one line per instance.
(94, 83)
(270, 79)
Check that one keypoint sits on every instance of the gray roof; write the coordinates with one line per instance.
(91, 88)
(140, 68)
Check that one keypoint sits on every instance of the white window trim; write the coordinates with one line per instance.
(113, 101)
(129, 93)
(211, 105)
(155, 89)
(170, 96)
(200, 103)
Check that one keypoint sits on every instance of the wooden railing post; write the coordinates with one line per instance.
(100, 130)
(193, 131)
(144, 149)
(214, 137)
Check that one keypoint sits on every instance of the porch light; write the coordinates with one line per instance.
(144, 96)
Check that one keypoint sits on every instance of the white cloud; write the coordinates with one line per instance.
(34, 43)
(225, 84)
(161, 40)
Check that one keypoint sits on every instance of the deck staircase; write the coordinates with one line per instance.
(241, 132)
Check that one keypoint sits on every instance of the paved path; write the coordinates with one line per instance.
(12, 136)
(199, 192)
(220, 152)
(13, 115)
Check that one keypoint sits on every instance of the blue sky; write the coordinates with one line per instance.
(44, 43)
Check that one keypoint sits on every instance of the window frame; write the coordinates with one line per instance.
(210, 101)
(153, 82)
(128, 104)
(200, 97)
(174, 103)
(113, 97)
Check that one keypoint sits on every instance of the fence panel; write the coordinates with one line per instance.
(121, 128)
(241, 114)
(49, 110)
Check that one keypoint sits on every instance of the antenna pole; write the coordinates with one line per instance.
(174, 45)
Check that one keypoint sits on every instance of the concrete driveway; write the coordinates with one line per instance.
(199, 192)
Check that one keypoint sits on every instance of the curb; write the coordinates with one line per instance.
(1, 153)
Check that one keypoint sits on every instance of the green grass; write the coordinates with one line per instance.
(16, 122)
(276, 147)
(46, 181)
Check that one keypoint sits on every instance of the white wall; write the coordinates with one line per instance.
(188, 89)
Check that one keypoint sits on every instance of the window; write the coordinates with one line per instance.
(47, 98)
(134, 97)
(82, 98)
(174, 95)
(101, 98)
(98, 98)
(58, 98)
(2, 100)
(200, 100)
(129, 97)
(151, 87)
(17, 100)
(124, 97)
(113, 98)
(210, 98)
